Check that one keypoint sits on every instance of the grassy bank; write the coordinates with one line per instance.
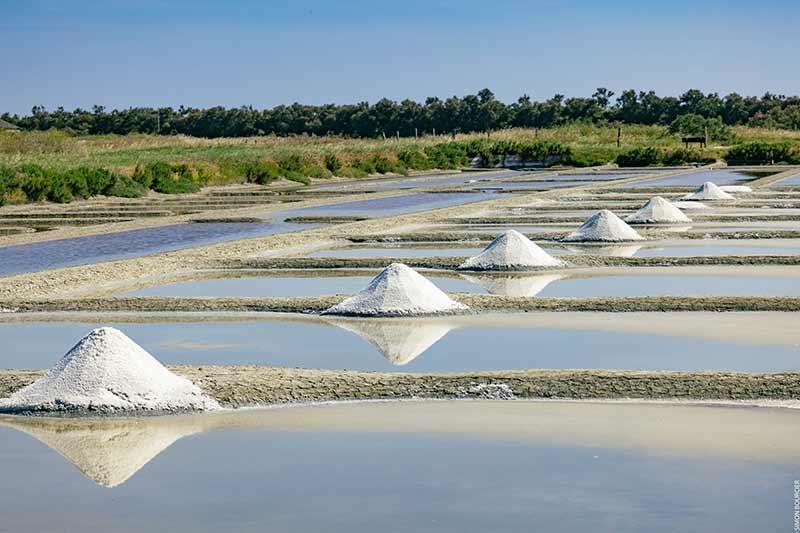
(54, 165)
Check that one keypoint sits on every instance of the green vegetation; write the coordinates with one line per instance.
(55, 166)
(479, 112)
(757, 153)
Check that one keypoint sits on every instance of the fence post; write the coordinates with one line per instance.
(619, 135)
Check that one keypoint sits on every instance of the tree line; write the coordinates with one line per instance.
(471, 113)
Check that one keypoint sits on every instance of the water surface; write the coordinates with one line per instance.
(305, 472)
(718, 176)
(430, 345)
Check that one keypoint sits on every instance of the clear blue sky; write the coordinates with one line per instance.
(122, 53)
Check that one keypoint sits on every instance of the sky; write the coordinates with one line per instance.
(202, 53)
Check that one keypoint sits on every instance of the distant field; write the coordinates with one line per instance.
(56, 166)
(596, 144)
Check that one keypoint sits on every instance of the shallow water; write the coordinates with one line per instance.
(281, 286)
(794, 180)
(398, 251)
(673, 285)
(344, 468)
(393, 205)
(711, 250)
(427, 345)
(125, 244)
(719, 176)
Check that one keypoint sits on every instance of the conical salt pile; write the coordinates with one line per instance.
(709, 191)
(684, 205)
(399, 340)
(398, 291)
(604, 226)
(658, 211)
(107, 372)
(735, 188)
(511, 250)
(108, 451)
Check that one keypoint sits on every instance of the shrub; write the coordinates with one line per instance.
(353, 172)
(414, 159)
(125, 187)
(261, 172)
(763, 153)
(165, 178)
(333, 164)
(317, 172)
(34, 187)
(639, 157)
(696, 125)
(59, 190)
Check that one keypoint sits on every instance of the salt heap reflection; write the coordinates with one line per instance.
(107, 451)
(520, 286)
(399, 340)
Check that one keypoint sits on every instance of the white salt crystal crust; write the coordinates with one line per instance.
(604, 226)
(398, 291)
(106, 373)
(511, 250)
(657, 210)
(709, 191)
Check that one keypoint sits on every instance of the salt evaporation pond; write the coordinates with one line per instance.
(282, 286)
(126, 244)
(794, 180)
(397, 251)
(440, 345)
(673, 285)
(392, 205)
(444, 467)
(717, 176)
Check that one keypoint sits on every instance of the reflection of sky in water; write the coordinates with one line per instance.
(794, 180)
(313, 345)
(393, 205)
(719, 176)
(125, 244)
(358, 481)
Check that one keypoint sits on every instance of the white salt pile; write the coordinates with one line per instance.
(107, 372)
(108, 451)
(690, 205)
(511, 250)
(515, 286)
(709, 191)
(399, 340)
(604, 226)
(735, 188)
(398, 291)
(657, 211)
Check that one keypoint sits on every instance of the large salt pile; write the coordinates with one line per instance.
(689, 205)
(399, 340)
(398, 291)
(108, 451)
(604, 226)
(511, 250)
(107, 372)
(709, 191)
(657, 211)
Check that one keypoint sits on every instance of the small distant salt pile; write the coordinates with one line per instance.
(511, 250)
(604, 226)
(399, 340)
(398, 291)
(107, 372)
(684, 205)
(709, 191)
(735, 188)
(515, 286)
(657, 211)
